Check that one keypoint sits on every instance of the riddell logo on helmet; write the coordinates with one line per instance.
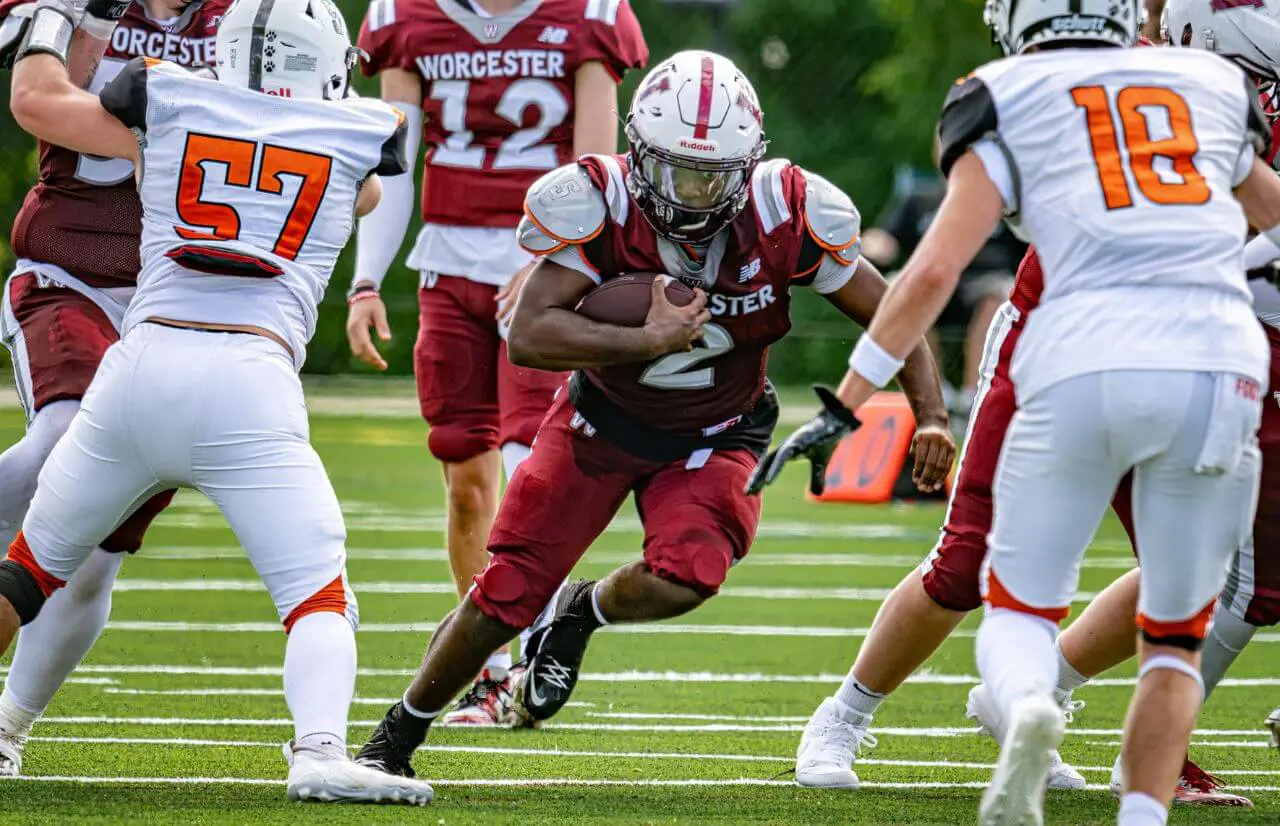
(697, 145)
(283, 92)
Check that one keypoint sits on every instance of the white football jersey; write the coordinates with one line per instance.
(1119, 165)
(247, 198)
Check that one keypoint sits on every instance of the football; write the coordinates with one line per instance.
(625, 300)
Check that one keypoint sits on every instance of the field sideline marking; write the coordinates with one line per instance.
(555, 752)
(923, 678)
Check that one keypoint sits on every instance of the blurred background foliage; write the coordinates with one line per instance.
(850, 89)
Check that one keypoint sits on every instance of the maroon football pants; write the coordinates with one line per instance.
(697, 521)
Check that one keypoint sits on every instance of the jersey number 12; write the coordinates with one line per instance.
(1179, 149)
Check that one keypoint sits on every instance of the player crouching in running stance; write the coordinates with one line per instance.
(1143, 356)
(675, 412)
(249, 185)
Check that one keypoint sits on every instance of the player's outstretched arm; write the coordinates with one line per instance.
(546, 332)
(971, 210)
(48, 105)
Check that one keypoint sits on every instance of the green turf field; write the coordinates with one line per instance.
(178, 716)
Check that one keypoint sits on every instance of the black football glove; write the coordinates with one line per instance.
(816, 440)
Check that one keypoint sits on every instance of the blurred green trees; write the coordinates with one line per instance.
(850, 89)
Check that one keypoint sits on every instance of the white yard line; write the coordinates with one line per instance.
(608, 755)
(922, 678)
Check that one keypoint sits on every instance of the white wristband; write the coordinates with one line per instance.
(873, 362)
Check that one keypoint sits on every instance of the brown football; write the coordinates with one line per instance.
(625, 300)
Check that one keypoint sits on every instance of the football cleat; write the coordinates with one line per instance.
(1016, 794)
(1273, 725)
(13, 739)
(833, 738)
(393, 743)
(330, 776)
(488, 703)
(1196, 787)
(553, 671)
(982, 709)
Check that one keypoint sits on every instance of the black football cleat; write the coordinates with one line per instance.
(553, 669)
(394, 741)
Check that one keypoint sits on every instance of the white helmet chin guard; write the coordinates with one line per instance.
(1019, 25)
(1246, 32)
(695, 132)
(289, 48)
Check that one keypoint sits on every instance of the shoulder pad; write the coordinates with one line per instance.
(829, 214)
(769, 195)
(968, 116)
(562, 207)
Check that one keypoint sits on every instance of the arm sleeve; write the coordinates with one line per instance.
(611, 35)
(968, 116)
(1260, 251)
(382, 231)
(126, 95)
(381, 39)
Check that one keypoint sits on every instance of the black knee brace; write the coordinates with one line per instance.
(19, 587)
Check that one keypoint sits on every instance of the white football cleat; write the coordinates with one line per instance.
(1273, 725)
(832, 740)
(323, 776)
(1016, 794)
(13, 739)
(982, 709)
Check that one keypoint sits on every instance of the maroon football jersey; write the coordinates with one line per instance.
(497, 91)
(753, 264)
(83, 214)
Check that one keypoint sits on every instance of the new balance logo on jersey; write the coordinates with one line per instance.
(749, 271)
(554, 36)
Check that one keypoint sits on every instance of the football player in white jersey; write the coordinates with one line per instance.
(1133, 172)
(249, 186)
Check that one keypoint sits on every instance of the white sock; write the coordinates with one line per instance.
(1226, 639)
(1138, 809)
(858, 697)
(1015, 656)
(52, 645)
(20, 464)
(320, 678)
(513, 453)
(498, 665)
(1068, 678)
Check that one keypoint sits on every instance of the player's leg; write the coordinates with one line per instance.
(1055, 478)
(561, 498)
(1188, 525)
(698, 523)
(456, 361)
(250, 454)
(57, 337)
(524, 397)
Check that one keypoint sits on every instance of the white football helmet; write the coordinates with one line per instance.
(1244, 31)
(1020, 24)
(290, 48)
(695, 132)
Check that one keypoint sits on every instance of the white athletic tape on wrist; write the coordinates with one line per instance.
(1173, 664)
(874, 363)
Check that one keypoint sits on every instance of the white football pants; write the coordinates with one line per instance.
(219, 412)
(1189, 438)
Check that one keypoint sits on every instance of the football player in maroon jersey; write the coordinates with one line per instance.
(676, 412)
(76, 240)
(501, 91)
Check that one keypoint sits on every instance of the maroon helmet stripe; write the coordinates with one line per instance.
(704, 99)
